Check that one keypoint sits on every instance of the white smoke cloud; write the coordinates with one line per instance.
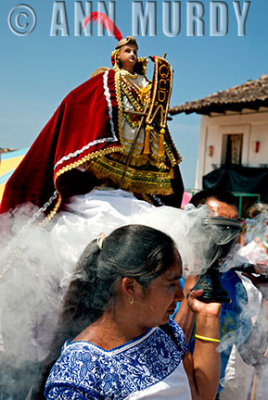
(36, 263)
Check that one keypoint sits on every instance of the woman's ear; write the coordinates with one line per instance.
(129, 286)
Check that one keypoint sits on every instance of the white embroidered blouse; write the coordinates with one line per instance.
(148, 367)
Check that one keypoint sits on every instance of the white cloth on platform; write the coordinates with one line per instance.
(41, 262)
(102, 210)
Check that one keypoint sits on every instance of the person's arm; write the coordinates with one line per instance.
(185, 316)
(203, 368)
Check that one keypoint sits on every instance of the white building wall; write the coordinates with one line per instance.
(253, 126)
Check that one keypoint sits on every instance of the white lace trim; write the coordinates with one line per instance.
(109, 103)
(97, 141)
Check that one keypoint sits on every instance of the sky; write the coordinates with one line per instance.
(40, 66)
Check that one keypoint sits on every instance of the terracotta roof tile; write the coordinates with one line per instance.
(5, 150)
(252, 94)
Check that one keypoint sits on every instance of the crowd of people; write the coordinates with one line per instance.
(239, 331)
(126, 329)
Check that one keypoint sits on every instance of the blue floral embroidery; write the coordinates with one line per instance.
(84, 371)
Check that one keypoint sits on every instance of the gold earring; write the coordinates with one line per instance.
(131, 300)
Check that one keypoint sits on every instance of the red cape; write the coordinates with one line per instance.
(80, 130)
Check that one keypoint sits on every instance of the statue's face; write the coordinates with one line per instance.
(128, 56)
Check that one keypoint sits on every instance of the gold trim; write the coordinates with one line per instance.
(144, 61)
(128, 74)
(71, 166)
(99, 71)
(170, 153)
(85, 159)
(144, 181)
(132, 123)
(52, 212)
(129, 142)
(129, 84)
(154, 102)
(131, 98)
(139, 160)
(116, 63)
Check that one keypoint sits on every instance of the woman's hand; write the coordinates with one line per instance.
(206, 358)
(199, 307)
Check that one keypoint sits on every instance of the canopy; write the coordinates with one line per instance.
(236, 178)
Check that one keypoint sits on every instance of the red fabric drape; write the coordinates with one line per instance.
(80, 128)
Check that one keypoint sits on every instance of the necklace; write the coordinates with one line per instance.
(129, 74)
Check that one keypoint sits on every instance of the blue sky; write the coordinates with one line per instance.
(38, 70)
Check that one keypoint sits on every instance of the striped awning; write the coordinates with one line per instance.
(8, 163)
